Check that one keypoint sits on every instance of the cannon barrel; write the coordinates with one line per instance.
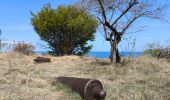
(88, 89)
(42, 59)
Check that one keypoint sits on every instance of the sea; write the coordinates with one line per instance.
(107, 54)
(102, 54)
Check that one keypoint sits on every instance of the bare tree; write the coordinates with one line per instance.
(117, 17)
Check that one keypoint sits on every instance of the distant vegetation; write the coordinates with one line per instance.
(24, 48)
(66, 29)
(156, 50)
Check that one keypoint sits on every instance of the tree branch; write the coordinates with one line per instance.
(111, 16)
(104, 27)
(131, 4)
(103, 11)
(106, 22)
(122, 12)
(128, 25)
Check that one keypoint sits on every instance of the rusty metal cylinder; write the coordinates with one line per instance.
(88, 89)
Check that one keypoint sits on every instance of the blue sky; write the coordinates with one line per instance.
(16, 25)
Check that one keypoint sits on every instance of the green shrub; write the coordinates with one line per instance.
(66, 29)
(152, 52)
(153, 49)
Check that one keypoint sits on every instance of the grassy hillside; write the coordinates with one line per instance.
(143, 78)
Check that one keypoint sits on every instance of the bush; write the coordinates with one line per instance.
(152, 52)
(66, 29)
(155, 50)
(164, 53)
(24, 48)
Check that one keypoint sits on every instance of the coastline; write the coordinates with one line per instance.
(101, 54)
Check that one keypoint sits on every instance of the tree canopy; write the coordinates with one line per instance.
(66, 29)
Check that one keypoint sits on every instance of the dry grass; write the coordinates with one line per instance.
(143, 78)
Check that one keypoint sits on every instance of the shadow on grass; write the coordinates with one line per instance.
(67, 91)
(100, 62)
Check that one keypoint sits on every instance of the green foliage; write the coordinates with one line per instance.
(153, 49)
(153, 52)
(66, 29)
(24, 48)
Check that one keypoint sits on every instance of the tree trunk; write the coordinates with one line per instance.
(114, 53)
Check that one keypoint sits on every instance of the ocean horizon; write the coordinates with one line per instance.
(107, 54)
(101, 54)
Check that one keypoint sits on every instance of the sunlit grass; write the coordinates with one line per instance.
(143, 78)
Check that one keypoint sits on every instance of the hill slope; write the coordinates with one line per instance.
(143, 78)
